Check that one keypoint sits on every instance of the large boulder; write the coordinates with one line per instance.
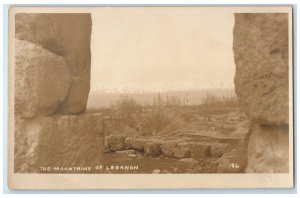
(68, 36)
(42, 80)
(261, 53)
(57, 141)
(261, 56)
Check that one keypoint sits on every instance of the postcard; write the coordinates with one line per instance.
(150, 97)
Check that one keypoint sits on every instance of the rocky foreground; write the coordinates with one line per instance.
(205, 149)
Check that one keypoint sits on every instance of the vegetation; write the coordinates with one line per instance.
(165, 114)
(210, 99)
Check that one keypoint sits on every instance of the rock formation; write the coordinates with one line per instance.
(52, 79)
(261, 82)
(68, 36)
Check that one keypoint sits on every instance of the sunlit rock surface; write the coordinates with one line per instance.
(42, 80)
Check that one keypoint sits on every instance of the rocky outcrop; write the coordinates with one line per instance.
(67, 36)
(262, 85)
(57, 141)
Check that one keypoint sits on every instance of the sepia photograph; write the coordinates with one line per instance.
(151, 92)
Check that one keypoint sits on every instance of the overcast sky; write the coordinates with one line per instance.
(147, 45)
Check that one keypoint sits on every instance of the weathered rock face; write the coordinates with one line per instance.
(42, 80)
(261, 56)
(68, 36)
(52, 77)
(261, 82)
(57, 141)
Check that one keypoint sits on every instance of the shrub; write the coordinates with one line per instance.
(127, 107)
(154, 122)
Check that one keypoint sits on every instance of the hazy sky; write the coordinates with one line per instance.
(146, 45)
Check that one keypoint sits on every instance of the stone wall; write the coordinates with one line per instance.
(57, 141)
(52, 82)
(261, 82)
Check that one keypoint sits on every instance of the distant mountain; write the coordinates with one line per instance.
(129, 88)
(104, 98)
